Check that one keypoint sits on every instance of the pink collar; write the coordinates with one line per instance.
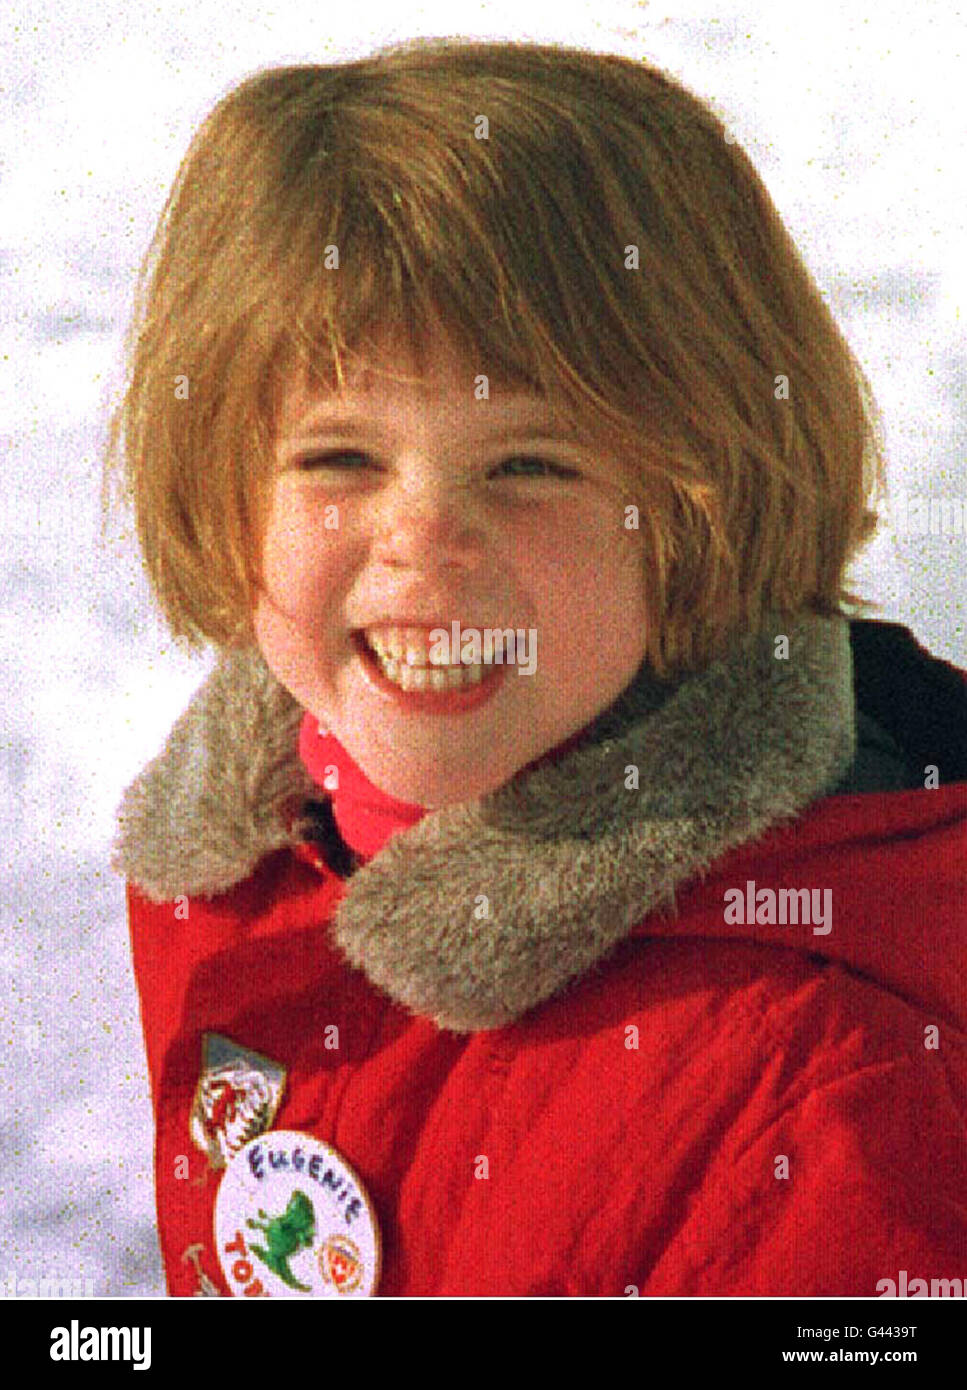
(365, 815)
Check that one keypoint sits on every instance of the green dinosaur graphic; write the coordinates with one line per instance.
(286, 1235)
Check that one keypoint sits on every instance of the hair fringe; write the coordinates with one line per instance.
(518, 245)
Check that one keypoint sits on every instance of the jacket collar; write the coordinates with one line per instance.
(454, 917)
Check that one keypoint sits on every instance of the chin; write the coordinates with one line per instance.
(433, 792)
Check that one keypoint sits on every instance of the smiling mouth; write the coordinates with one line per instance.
(412, 669)
(429, 689)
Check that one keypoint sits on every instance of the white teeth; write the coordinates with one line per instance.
(404, 657)
(401, 644)
(408, 645)
(424, 678)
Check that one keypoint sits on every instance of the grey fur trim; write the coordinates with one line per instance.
(564, 859)
(220, 795)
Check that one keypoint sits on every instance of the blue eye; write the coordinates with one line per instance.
(543, 463)
(314, 461)
(337, 459)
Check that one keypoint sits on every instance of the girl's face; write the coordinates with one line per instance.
(434, 505)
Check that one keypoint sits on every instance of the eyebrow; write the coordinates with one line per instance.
(351, 428)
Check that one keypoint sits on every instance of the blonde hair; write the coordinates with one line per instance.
(517, 242)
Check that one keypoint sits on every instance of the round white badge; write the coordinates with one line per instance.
(292, 1220)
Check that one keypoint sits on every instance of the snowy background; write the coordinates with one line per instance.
(855, 115)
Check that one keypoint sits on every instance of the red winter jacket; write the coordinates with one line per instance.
(579, 1037)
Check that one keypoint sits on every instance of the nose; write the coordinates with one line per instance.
(429, 529)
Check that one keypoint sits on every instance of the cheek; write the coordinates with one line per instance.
(290, 613)
(602, 580)
(295, 642)
(283, 557)
(277, 634)
(299, 562)
(592, 600)
(620, 605)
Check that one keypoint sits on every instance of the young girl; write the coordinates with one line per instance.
(552, 890)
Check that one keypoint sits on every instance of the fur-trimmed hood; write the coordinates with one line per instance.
(482, 910)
